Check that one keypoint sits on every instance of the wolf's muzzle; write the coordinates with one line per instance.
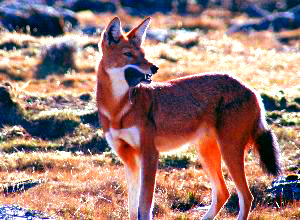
(153, 69)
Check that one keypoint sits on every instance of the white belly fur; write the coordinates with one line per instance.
(173, 142)
(132, 137)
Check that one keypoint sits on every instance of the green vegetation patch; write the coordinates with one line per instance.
(179, 159)
(185, 203)
(39, 123)
(10, 110)
(51, 160)
(29, 144)
(283, 107)
(85, 139)
(284, 118)
(12, 132)
(52, 124)
(282, 100)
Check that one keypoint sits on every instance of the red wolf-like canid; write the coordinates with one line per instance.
(216, 112)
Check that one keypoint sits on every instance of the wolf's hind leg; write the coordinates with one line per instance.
(210, 157)
(233, 156)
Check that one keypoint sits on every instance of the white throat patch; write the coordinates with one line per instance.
(119, 84)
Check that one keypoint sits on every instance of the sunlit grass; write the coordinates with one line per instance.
(82, 179)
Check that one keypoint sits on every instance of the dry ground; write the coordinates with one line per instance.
(93, 186)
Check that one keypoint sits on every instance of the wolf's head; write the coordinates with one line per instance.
(123, 56)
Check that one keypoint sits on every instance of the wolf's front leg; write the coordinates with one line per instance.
(149, 165)
(134, 185)
(132, 160)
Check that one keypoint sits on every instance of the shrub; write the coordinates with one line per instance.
(57, 58)
(186, 203)
(174, 160)
(87, 140)
(52, 124)
(10, 113)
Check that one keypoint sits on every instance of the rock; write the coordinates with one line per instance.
(36, 19)
(295, 10)
(284, 21)
(20, 186)
(159, 35)
(92, 45)
(91, 30)
(293, 108)
(203, 3)
(10, 45)
(91, 118)
(146, 7)
(5, 97)
(92, 5)
(254, 11)
(276, 22)
(187, 44)
(18, 213)
(286, 189)
(292, 177)
(292, 3)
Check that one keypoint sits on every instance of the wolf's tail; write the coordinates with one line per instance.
(267, 146)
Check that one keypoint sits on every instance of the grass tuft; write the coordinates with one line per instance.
(11, 113)
(179, 159)
(52, 124)
(186, 203)
(57, 58)
(87, 140)
(262, 198)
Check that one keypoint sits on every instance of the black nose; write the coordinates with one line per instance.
(153, 69)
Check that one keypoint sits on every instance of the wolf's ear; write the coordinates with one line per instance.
(113, 32)
(137, 35)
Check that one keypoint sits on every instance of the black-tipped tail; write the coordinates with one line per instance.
(268, 149)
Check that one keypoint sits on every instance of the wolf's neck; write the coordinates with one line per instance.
(112, 93)
(119, 84)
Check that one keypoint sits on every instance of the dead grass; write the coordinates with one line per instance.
(91, 185)
(94, 186)
(218, 52)
(88, 187)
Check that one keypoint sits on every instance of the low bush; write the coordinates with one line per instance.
(52, 124)
(57, 58)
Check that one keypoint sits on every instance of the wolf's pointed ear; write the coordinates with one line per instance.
(113, 31)
(137, 35)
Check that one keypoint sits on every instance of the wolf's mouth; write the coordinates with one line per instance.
(147, 78)
(134, 77)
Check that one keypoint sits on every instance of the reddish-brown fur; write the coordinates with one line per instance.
(217, 112)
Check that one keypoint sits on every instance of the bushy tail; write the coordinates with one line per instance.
(268, 149)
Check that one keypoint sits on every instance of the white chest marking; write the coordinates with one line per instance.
(130, 135)
(119, 85)
(117, 75)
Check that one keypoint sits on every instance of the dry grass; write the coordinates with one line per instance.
(92, 186)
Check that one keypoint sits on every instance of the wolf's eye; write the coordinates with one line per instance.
(128, 54)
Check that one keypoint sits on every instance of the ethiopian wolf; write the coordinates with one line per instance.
(216, 112)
